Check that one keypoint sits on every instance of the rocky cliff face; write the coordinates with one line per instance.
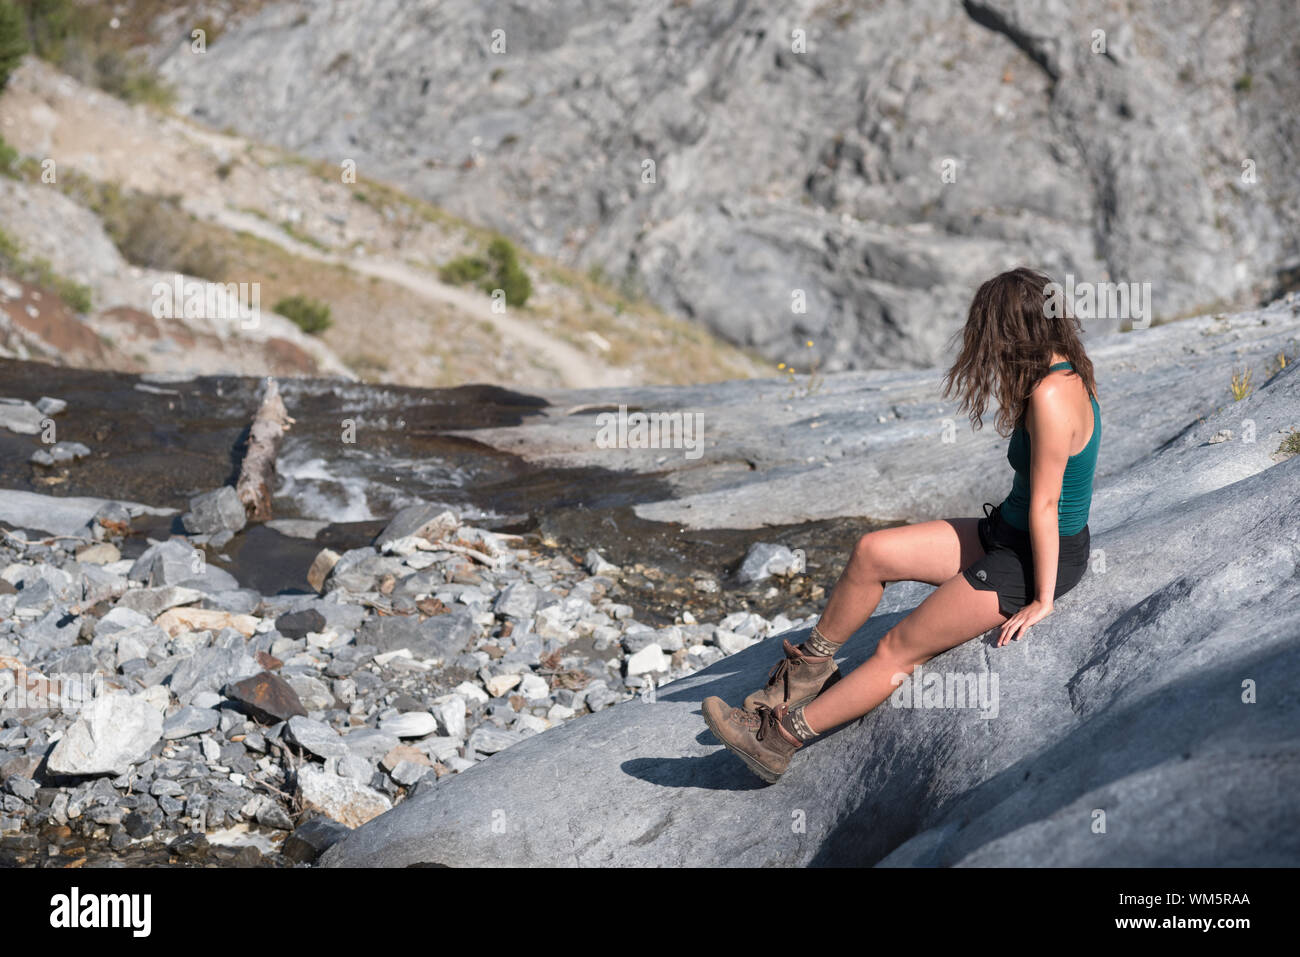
(907, 152)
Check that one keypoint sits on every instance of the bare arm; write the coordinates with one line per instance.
(1049, 444)
(1049, 441)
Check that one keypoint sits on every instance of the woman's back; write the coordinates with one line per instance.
(1076, 484)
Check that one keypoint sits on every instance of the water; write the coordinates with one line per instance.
(356, 453)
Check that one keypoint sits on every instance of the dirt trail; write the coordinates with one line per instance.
(575, 367)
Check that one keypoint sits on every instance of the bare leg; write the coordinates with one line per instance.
(930, 552)
(952, 614)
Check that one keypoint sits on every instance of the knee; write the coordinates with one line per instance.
(899, 651)
(867, 555)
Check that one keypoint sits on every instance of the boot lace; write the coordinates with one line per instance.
(767, 722)
(781, 670)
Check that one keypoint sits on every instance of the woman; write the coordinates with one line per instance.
(1005, 569)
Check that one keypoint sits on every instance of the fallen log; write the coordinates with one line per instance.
(257, 474)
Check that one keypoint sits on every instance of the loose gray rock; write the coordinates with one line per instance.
(59, 453)
(340, 799)
(520, 601)
(49, 406)
(486, 739)
(217, 511)
(312, 838)
(451, 717)
(370, 743)
(764, 560)
(407, 773)
(19, 415)
(423, 520)
(190, 720)
(315, 736)
(114, 732)
(167, 563)
(596, 564)
(299, 624)
(149, 603)
(440, 636)
(411, 724)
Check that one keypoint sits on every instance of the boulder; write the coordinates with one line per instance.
(217, 511)
(763, 560)
(340, 799)
(168, 563)
(423, 520)
(116, 731)
(266, 697)
(315, 736)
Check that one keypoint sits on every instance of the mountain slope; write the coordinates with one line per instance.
(822, 171)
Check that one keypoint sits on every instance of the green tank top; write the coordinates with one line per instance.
(1076, 484)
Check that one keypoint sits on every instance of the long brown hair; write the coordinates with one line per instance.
(1014, 325)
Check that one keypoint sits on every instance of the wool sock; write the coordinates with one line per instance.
(819, 645)
(795, 723)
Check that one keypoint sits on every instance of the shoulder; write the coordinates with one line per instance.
(1052, 394)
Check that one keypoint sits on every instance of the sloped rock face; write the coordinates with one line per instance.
(1151, 720)
(887, 445)
(1161, 159)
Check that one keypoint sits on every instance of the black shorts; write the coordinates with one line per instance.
(1007, 566)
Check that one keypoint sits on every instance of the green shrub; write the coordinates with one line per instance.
(76, 295)
(49, 24)
(307, 314)
(507, 274)
(500, 269)
(38, 272)
(464, 269)
(127, 78)
(78, 39)
(1290, 444)
(10, 252)
(154, 231)
(13, 40)
(8, 159)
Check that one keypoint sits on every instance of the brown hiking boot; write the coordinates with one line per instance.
(757, 738)
(796, 679)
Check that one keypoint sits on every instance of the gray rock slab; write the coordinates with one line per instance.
(1143, 695)
(59, 515)
(773, 459)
